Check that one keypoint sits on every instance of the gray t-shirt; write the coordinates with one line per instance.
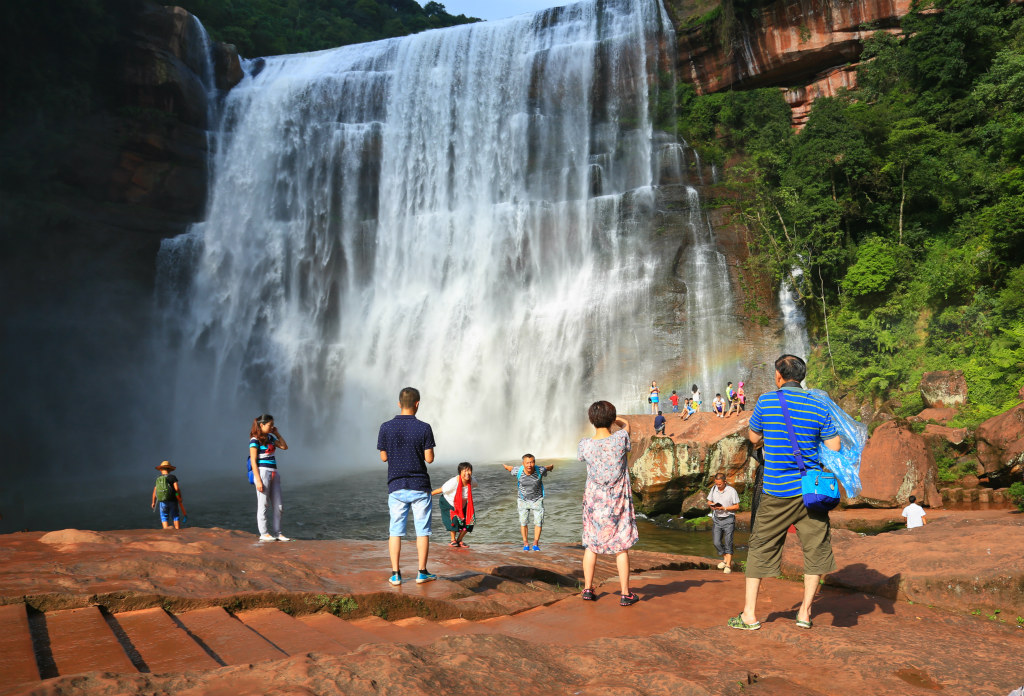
(727, 497)
(531, 487)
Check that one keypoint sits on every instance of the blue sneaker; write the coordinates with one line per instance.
(535, 548)
(526, 548)
(395, 579)
(422, 577)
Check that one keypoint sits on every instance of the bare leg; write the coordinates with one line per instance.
(589, 564)
(811, 583)
(167, 525)
(177, 524)
(750, 600)
(727, 557)
(422, 549)
(395, 550)
(453, 536)
(622, 563)
(462, 535)
(525, 537)
(536, 534)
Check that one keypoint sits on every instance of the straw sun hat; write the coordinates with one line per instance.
(165, 465)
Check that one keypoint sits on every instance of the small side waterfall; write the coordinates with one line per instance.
(465, 211)
(794, 323)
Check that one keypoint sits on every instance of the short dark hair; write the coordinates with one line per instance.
(720, 475)
(465, 465)
(728, 384)
(659, 413)
(602, 414)
(718, 393)
(408, 397)
(529, 456)
(912, 498)
(792, 368)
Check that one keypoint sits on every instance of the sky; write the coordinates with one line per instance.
(496, 9)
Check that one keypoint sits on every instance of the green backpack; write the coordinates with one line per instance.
(164, 490)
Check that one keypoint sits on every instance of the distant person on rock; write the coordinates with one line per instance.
(695, 399)
(653, 398)
(675, 401)
(741, 397)
(733, 399)
(659, 424)
(264, 441)
(688, 409)
(718, 406)
(406, 445)
(609, 521)
(530, 498)
(782, 500)
(456, 504)
(167, 494)
(914, 513)
(724, 502)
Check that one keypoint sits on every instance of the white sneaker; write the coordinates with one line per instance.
(282, 537)
(721, 565)
(266, 537)
(727, 570)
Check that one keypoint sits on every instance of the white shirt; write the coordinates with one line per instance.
(915, 515)
(727, 497)
(449, 488)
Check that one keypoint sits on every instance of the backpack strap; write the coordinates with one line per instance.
(792, 434)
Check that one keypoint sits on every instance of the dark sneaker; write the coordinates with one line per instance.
(628, 599)
(589, 596)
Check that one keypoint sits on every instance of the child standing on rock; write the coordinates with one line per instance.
(456, 504)
(167, 493)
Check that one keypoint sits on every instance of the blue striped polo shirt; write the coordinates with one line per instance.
(811, 423)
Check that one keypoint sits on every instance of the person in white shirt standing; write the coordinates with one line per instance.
(724, 502)
(914, 514)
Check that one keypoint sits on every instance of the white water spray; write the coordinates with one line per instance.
(463, 211)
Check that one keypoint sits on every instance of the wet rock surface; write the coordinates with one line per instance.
(867, 640)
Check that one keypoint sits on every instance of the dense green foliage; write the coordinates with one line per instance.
(272, 27)
(901, 201)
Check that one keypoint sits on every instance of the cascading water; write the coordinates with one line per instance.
(794, 323)
(464, 211)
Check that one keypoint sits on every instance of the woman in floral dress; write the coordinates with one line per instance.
(609, 522)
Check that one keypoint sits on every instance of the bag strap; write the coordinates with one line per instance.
(792, 434)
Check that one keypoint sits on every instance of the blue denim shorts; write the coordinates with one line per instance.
(169, 511)
(399, 503)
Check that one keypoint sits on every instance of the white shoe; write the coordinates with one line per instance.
(266, 537)
(721, 565)
(282, 537)
(727, 570)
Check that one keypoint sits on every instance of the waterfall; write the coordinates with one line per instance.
(794, 323)
(464, 211)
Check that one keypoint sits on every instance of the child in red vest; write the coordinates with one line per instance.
(456, 504)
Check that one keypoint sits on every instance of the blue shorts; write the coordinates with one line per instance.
(399, 503)
(169, 511)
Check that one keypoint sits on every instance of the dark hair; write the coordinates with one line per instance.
(255, 431)
(465, 465)
(728, 384)
(720, 475)
(792, 368)
(718, 394)
(694, 389)
(659, 413)
(408, 397)
(912, 499)
(529, 456)
(602, 414)
(673, 391)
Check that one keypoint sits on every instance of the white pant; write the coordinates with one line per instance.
(271, 491)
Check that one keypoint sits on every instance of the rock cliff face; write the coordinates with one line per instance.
(804, 45)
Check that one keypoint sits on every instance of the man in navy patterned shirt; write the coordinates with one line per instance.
(782, 500)
(406, 445)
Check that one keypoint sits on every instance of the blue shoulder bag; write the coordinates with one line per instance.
(820, 488)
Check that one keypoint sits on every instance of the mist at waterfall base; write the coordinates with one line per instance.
(464, 211)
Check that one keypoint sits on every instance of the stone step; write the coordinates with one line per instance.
(416, 630)
(344, 632)
(229, 639)
(17, 655)
(161, 643)
(288, 634)
(82, 641)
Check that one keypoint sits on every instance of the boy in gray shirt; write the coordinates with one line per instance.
(531, 497)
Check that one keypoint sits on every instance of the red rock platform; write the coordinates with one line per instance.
(206, 611)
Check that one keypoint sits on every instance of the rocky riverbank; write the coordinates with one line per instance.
(327, 622)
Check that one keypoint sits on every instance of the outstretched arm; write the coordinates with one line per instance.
(623, 423)
(508, 467)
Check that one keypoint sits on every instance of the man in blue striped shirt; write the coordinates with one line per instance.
(782, 501)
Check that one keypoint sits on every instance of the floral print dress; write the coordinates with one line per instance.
(609, 522)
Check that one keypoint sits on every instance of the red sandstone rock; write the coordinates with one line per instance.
(665, 470)
(800, 99)
(944, 389)
(954, 436)
(939, 415)
(896, 464)
(1001, 445)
